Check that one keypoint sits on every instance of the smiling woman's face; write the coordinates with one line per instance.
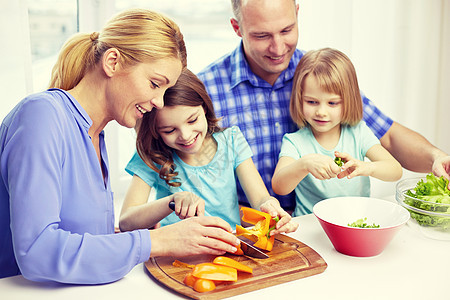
(136, 90)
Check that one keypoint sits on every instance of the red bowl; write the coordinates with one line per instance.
(335, 214)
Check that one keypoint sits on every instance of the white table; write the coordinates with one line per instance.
(411, 267)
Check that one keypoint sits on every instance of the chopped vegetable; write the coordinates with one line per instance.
(206, 276)
(339, 161)
(260, 232)
(226, 261)
(360, 223)
(214, 272)
(239, 250)
(435, 196)
(178, 263)
(189, 280)
(204, 285)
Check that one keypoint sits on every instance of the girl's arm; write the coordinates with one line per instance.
(382, 165)
(259, 197)
(138, 213)
(289, 171)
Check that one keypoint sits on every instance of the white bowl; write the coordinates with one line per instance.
(335, 214)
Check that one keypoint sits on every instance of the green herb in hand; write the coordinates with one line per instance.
(339, 161)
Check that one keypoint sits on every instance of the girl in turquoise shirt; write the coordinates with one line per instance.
(187, 158)
(326, 105)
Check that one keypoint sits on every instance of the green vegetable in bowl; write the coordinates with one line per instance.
(339, 161)
(360, 223)
(431, 195)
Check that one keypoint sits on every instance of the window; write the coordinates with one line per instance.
(51, 23)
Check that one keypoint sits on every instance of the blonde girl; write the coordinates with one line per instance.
(326, 106)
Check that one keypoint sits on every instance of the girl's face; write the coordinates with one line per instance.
(182, 128)
(136, 90)
(322, 110)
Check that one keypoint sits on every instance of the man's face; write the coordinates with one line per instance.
(269, 31)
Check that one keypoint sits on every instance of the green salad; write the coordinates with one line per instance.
(431, 195)
(360, 223)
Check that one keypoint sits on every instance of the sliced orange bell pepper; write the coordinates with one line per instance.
(239, 250)
(204, 285)
(214, 272)
(189, 280)
(260, 232)
(177, 263)
(229, 262)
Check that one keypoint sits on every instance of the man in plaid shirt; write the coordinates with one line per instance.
(251, 88)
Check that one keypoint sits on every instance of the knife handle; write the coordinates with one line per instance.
(172, 206)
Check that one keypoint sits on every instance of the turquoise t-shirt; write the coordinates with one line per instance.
(355, 140)
(215, 182)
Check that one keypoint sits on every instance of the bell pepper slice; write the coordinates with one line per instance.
(177, 263)
(229, 262)
(214, 272)
(263, 223)
(239, 250)
(204, 285)
(189, 280)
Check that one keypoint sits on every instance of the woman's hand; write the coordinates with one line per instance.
(188, 205)
(273, 208)
(197, 235)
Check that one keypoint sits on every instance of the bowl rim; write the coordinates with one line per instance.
(405, 211)
(416, 209)
(425, 212)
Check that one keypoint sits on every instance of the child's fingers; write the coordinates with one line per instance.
(288, 227)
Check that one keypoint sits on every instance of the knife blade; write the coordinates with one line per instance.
(247, 248)
(251, 250)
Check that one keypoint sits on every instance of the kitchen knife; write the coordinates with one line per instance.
(252, 251)
(248, 249)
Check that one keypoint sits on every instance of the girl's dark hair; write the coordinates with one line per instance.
(189, 91)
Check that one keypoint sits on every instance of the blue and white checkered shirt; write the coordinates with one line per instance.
(262, 111)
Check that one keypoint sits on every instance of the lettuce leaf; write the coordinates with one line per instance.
(434, 191)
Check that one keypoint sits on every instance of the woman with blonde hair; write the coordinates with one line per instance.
(56, 203)
(326, 105)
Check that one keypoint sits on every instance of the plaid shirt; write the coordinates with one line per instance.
(262, 111)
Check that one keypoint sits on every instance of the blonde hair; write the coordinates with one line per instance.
(335, 74)
(140, 35)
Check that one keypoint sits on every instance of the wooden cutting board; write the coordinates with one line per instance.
(289, 260)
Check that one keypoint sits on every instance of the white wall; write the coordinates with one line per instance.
(15, 55)
(400, 48)
(401, 52)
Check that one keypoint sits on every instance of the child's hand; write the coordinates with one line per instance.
(321, 166)
(273, 208)
(188, 205)
(352, 167)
